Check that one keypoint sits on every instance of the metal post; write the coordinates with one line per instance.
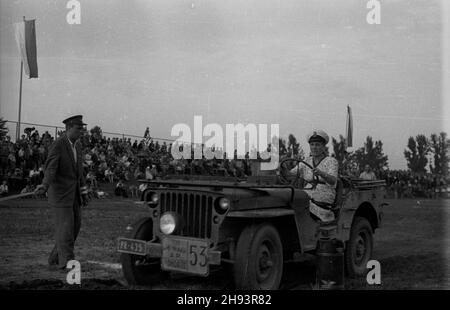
(20, 97)
(20, 102)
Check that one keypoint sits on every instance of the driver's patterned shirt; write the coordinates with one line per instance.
(323, 192)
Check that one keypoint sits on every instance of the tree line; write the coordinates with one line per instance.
(422, 151)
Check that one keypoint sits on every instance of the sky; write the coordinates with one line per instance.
(297, 63)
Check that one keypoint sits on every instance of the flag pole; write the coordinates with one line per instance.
(349, 129)
(20, 99)
(20, 102)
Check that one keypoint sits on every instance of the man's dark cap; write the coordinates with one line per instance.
(74, 120)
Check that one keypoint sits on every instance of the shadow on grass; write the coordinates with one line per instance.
(425, 271)
(53, 284)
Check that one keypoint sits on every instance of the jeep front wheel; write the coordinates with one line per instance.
(137, 269)
(359, 247)
(259, 258)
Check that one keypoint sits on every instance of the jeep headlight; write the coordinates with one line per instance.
(224, 203)
(221, 205)
(168, 223)
(154, 198)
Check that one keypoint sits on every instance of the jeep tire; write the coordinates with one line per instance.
(259, 258)
(137, 269)
(359, 247)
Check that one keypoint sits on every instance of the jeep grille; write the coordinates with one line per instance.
(195, 209)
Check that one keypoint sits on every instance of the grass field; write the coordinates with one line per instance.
(412, 247)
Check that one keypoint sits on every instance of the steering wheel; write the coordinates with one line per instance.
(286, 177)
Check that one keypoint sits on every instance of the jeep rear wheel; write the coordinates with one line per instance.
(137, 269)
(259, 258)
(359, 247)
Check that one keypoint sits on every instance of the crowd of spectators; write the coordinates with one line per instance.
(405, 184)
(22, 162)
(121, 162)
(118, 161)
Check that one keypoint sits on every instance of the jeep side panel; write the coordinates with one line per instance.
(367, 204)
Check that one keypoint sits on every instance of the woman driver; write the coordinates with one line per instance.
(326, 169)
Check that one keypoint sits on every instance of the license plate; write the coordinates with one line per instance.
(185, 255)
(131, 246)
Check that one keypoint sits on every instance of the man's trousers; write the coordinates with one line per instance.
(67, 227)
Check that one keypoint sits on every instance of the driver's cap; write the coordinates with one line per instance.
(318, 135)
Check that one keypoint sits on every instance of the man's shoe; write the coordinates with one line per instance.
(57, 268)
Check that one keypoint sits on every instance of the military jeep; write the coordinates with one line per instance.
(254, 226)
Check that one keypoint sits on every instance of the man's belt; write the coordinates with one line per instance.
(323, 205)
(320, 182)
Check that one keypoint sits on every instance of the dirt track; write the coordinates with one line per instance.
(411, 248)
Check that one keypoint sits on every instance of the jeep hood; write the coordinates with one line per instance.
(243, 196)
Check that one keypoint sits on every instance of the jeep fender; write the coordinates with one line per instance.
(283, 219)
(366, 210)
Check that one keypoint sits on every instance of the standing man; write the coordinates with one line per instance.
(368, 174)
(67, 192)
(147, 133)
